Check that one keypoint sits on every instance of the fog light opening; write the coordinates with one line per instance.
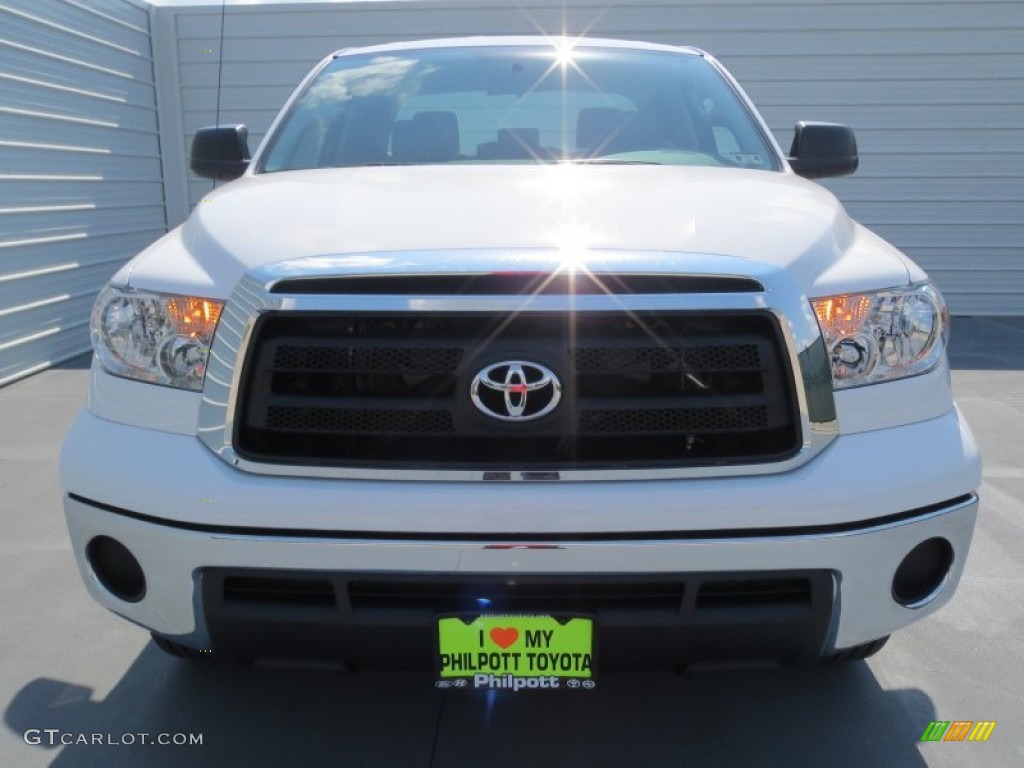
(116, 568)
(923, 573)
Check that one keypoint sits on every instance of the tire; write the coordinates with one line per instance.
(858, 652)
(179, 651)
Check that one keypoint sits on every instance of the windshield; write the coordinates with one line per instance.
(518, 104)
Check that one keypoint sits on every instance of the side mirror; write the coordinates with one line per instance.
(823, 149)
(220, 152)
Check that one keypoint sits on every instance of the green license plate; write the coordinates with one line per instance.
(515, 652)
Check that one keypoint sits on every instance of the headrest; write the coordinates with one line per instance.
(428, 137)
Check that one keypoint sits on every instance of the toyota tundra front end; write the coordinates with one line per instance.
(521, 359)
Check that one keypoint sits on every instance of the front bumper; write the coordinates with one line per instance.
(851, 515)
(861, 562)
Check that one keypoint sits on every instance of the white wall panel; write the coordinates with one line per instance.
(81, 188)
(934, 89)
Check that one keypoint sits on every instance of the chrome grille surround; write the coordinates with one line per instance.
(254, 295)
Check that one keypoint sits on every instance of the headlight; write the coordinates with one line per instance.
(156, 337)
(883, 335)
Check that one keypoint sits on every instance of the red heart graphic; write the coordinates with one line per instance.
(504, 637)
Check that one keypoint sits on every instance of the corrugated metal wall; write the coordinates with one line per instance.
(935, 91)
(81, 186)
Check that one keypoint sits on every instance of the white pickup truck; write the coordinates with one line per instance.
(521, 358)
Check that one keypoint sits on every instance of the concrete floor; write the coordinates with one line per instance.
(66, 663)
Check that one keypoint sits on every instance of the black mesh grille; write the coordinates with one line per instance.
(297, 357)
(637, 390)
(661, 420)
(711, 358)
(349, 420)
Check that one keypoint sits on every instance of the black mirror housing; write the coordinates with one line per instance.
(220, 152)
(823, 149)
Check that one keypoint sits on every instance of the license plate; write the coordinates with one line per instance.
(515, 652)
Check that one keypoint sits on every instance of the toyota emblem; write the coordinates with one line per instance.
(515, 390)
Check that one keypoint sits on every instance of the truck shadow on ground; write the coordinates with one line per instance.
(251, 716)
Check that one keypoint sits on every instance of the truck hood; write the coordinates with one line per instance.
(775, 219)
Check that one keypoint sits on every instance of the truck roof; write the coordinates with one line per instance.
(508, 40)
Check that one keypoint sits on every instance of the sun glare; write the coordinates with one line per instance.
(564, 52)
(572, 252)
